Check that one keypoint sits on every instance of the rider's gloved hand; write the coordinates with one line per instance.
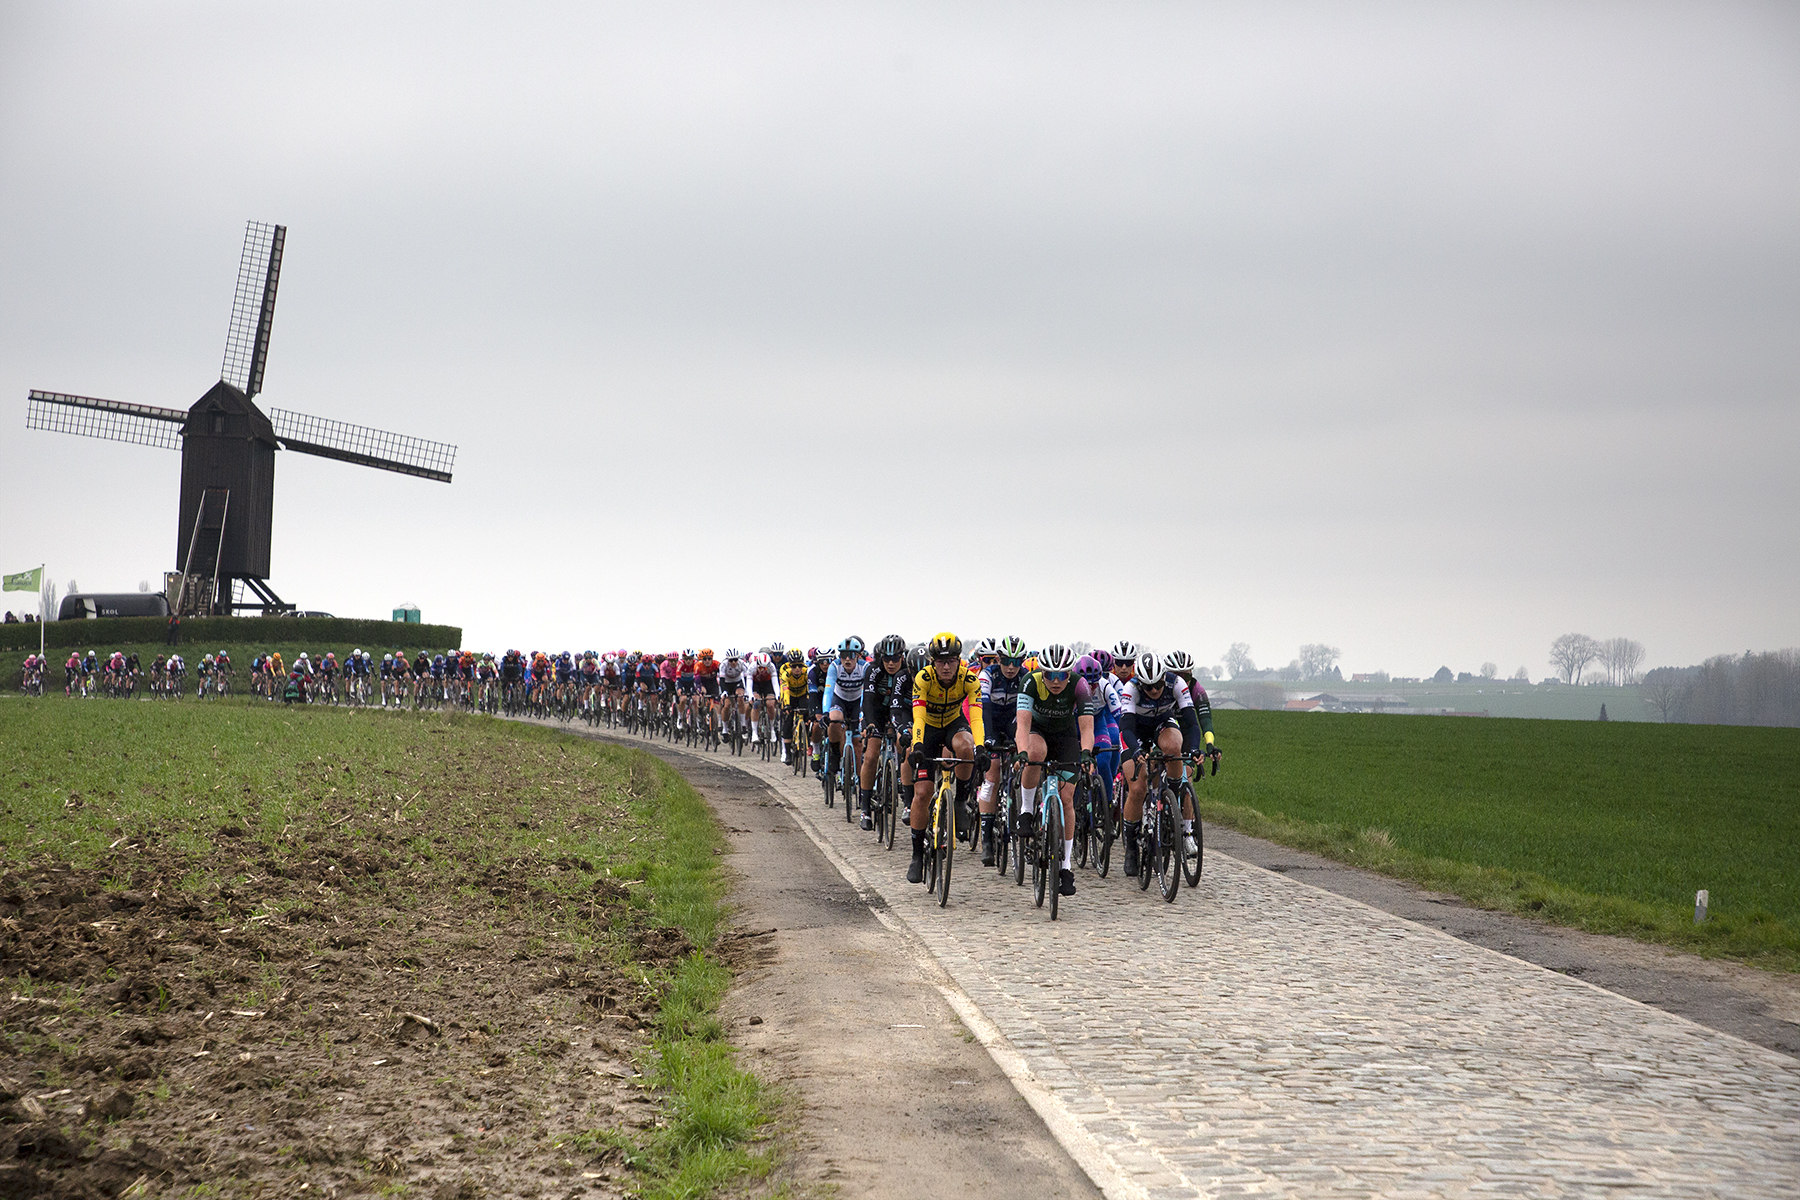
(983, 760)
(916, 757)
(1087, 758)
(1020, 758)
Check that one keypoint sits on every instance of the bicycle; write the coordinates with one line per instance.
(940, 833)
(886, 800)
(1160, 850)
(1047, 845)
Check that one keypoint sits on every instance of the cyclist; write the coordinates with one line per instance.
(1157, 710)
(734, 680)
(1055, 724)
(844, 682)
(763, 689)
(1181, 664)
(794, 713)
(1094, 667)
(816, 674)
(880, 720)
(1001, 680)
(942, 692)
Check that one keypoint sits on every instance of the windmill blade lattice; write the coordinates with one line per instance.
(253, 307)
(360, 444)
(114, 420)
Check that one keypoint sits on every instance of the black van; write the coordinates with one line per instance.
(77, 605)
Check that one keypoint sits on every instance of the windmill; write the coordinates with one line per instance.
(228, 448)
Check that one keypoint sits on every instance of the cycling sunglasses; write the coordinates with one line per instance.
(1012, 662)
(1057, 676)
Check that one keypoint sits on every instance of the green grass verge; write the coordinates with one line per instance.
(1606, 827)
(78, 778)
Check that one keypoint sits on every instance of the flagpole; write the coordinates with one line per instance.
(41, 614)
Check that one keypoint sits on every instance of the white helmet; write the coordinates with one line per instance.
(731, 654)
(1125, 650)
(1150, 670)
(1178, 661)
(1057, 658)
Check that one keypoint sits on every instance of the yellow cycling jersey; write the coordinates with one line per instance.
(793, 683)
(935, 704)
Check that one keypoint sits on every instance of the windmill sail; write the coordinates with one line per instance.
(253, 307)
(362, 445)
(114, 420)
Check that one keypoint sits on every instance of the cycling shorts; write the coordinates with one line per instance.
(709, 684)
(852, 709)
(734, 688)
(1061, 745)
(687, 686)
(938, 738)
(763, 687)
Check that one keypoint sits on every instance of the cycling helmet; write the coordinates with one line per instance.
(891, 646)
(387, 658)
(1150, 670)
(946, 645)
(706, 652)
(731, 654)
(687, 654)
(986, 648)
(1103, 657)
(851, 645)
(1057, 657)
(777, 649)
(1080, 648)
(915, 659)
(1013, 647)
(1089, 668)
(1179, 661)
(1125, 650)
(796, 656)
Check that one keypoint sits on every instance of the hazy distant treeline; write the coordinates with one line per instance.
(1755, 689)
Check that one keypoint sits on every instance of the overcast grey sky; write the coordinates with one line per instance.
(1430, 331)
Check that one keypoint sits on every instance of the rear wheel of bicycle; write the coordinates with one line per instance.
(1168, 849)
(830, 783)
(1083, 824)
(1054, 836)
(1040, 859)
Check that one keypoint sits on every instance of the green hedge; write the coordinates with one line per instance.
(232, 631)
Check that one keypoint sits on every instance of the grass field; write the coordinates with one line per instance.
(1608, 827)
(435, 840)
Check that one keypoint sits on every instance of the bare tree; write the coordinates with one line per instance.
(1291, 672)
(1627, 657)
(1662, 690)
(47, 610)
(1571, 653)
(1489, 670)
(1238, 660)
(1521, 675)
(1316, 660)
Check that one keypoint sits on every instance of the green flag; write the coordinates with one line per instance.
(25, 581)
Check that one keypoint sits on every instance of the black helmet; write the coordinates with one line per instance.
(891, 646)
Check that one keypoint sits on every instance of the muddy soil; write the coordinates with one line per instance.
(344, 1021)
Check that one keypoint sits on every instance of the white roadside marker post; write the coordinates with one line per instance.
(1700, 907)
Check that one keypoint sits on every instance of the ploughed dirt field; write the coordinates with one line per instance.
(358, 955)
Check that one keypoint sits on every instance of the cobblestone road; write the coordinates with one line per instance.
(1260, 1036)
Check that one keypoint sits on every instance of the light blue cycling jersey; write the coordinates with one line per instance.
(846, 683)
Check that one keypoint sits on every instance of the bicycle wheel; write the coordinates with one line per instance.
(1084, 823)
(1003, 834)
(892, 786)
(830, 781)
(1193, 864)
(1054, 837)
(1015, 829)
(946, 836)
(931, 858)
(1147, 828)
(1168, 848)
(1040, 861)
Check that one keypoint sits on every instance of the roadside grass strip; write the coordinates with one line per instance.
(1608, 827)
(250, 946)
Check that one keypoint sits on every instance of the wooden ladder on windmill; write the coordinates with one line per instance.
(198, 594)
